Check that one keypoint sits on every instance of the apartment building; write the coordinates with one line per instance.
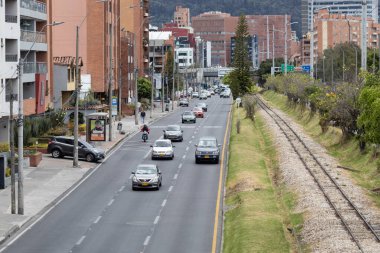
(347, 7)
(182, 16)
(331, 29)
(219, 27)
(99, 41)
(184, 57)
(202, 53)
(253, 50)
(127, 69)
(134, 17)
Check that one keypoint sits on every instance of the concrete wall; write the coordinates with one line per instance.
(60, 83)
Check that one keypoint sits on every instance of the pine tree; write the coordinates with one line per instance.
(241, 75)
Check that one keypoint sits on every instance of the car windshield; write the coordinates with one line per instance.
(162, 144)
(146, 170)
(172, 128)
(187, 113)
(207, 144)
(201, 105)
(197, 109)
(86, 144)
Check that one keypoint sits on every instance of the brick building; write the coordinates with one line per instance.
(135, 19)
(96, 19)
(219, 27)
(182, 16)
(332, 29)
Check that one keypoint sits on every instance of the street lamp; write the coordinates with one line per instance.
(20, 124)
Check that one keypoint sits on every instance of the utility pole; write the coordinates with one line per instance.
(272, 72)
(312, 40)
(286, 45)
(152, 84)
(173, 81)
(136, 97)
(110, 74)
(364, 35)
(76, 92)
(20, 140)
(268, 52)
(12, 144)
(163, 77)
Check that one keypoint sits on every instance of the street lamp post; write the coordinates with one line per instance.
(20, 125)
(76, 110)
(364, 35)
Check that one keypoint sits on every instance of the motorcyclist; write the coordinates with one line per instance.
(145, 128)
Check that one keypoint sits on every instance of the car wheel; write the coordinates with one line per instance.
(153, 158)
(196, 160)
(181, 139)
(183, 121)
(56, 153)
(216, 161)
(90, 157)
(172, 157)
(133, 188)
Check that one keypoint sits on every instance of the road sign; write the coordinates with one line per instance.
(289, 68)
(306, 68)
(114, 106)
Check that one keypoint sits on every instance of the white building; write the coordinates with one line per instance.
(349, 7)
(9, 55)
(184, 56)
(203, 53)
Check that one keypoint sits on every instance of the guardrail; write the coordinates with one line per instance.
(11, 58)
(10, 18)
(33, 67)
(31, 36)
(34, 6)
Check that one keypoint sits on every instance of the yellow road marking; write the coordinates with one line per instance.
(215, 239)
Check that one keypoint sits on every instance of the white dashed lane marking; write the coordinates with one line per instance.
(175, 176)
(97, 219)
(146, 242)
(156, 220)
(170, 188)
(79, 242)
(180, 165)
(111, 202)
(164, 202)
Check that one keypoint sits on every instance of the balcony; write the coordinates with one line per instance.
(33, 67)
(34, 6)
(11, 58)
(8, 97)
(31, 36)
(11, 19)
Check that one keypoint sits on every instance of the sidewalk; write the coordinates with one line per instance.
(44, 185)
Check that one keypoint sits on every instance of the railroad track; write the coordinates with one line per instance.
(358, 227)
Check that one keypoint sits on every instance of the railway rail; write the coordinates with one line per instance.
(358, 227)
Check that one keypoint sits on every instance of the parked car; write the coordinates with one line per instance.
(203, 106)
(212, 92)
(195, 94)
(173, 132)
(146, 176)
(198, 112)
(184, 102)
(188, 116)
(162, 149)
(203, 96)
(208, 93)
(207, 149)
(61, 146)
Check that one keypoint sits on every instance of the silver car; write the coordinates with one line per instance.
(188, 116)
(173, 132)
(162, 149)
(146, 176)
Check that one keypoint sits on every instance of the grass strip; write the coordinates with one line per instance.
(256, 217)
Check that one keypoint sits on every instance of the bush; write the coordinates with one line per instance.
(4, 147)
(82, 128)
(249, 104)
(57, 131)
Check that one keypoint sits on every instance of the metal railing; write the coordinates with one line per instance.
(31, 36)
(8, 97)
(35, 67)
(11, 58)
(34, 6)
(10, 18)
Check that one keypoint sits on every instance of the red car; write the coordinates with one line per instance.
(198, 112)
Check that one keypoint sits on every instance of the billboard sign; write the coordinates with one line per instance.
(97, 130)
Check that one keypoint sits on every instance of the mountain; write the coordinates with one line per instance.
(163, 10)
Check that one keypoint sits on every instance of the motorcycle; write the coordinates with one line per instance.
(145, 136)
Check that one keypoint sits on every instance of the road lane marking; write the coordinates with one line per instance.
(170, 188)
(146, 242)
(217, 207)
(190, 142)
(97, 219)
(156, 220)
(123, 187)
(184, 156)
(81, 240)
(147, 154)
(193, 136)
(111, 202)
(164, 202)
(180, 165)
(187, 148)
(175, 177)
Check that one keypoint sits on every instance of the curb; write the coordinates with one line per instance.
(16, 228)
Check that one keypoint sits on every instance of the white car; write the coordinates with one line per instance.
(195, 94)
(162, 149)
(203, 96)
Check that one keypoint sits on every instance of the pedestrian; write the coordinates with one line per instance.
(142, 114)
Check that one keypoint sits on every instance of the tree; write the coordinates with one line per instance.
(369, 102)
(169, 70)
(241, 78)
(144, 88)
(265, 69)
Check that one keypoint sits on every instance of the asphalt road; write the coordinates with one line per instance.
(103, 214)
